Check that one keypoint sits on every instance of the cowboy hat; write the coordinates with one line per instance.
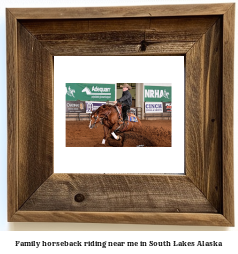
(127, 86)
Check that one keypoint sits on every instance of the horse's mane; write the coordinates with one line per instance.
(103, 109)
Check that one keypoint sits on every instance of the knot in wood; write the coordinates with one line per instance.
(143, 45)
(79, 198)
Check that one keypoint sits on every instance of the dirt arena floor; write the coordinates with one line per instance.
(153, 133)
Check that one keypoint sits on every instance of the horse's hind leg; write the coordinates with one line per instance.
(115, 126)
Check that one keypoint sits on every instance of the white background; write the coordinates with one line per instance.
(116, 69)
(7, 238)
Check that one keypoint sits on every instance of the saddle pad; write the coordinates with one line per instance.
(132, 118)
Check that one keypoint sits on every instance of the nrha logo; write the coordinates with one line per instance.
(152, 93)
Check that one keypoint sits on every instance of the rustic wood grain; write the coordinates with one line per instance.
(77, 26)
(35, 140)
(35, 35)
(122, 11)
(178, 25)
(12, 115)
(204, 115)
(115, 49)
(114, 193)
(119, 36)
(191, 219)
(227, 113)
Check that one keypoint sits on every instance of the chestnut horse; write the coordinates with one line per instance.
(110, 116)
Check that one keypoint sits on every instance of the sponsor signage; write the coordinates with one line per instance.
(75, 107)
(90, 92)
(153, 107)
(93, 105)
(158, 93)
(167, 107)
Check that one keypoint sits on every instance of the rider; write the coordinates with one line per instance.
(126, 100)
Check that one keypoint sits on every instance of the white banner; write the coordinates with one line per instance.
(153, 107)
(93, 105)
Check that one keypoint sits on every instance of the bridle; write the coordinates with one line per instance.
(100, 119)
(95, 122)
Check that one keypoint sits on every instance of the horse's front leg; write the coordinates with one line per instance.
(105, 128)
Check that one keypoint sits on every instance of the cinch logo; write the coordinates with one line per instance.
(153, 105)
(149, 93)
(97, 89)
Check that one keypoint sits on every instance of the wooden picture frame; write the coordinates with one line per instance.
(204, 34)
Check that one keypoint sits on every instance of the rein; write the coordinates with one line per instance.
(106, 115)
(101, 119)
(118, 111)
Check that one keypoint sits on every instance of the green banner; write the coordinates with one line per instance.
(158, 93)
(90, 92)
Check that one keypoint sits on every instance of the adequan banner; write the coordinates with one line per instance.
(90, 92)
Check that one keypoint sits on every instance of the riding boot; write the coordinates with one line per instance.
(125, 120)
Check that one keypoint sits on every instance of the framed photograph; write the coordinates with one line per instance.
(202, 195)
(158, 132)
